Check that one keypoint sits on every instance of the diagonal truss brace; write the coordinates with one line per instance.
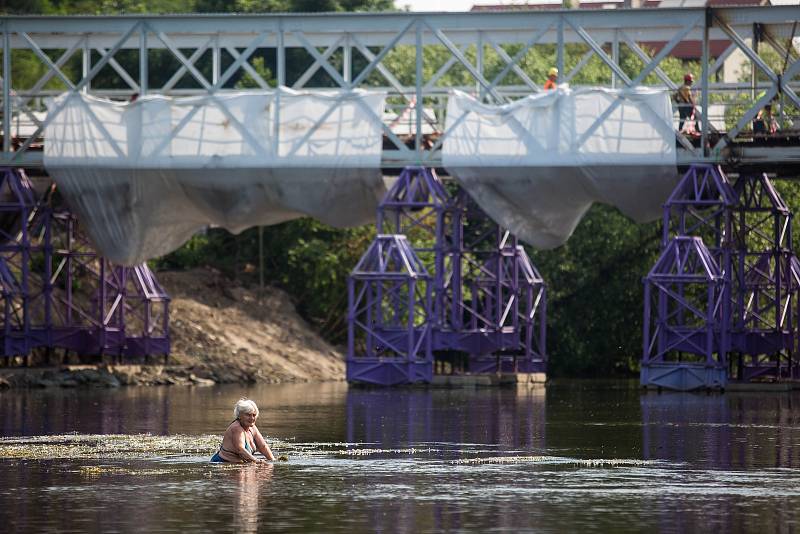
(310, 71)
(22, 102)
(185, 62)
(465, 62)
(651, 65)
(511, 64)
(239, 61)
(262, 83)
(120, 70)
(80, 85)
(182, 70)
(778, 83)
(393, 81)
(376, 61)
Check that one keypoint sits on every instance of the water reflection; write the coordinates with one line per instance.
(250, 481)
(728, 446)
(730, 431)
(497, 421)
(509, 419)
(350, 469)
(97, 411)
(302, 411)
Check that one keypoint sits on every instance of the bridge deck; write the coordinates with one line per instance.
(777, 155)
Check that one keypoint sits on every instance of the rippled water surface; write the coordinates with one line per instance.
(577, 456)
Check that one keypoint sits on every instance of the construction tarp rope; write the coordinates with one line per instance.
(145, 176)
(536, 165)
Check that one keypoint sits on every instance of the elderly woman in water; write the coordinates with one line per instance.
(242, 439)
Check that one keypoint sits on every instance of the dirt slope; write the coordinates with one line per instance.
(230, 333)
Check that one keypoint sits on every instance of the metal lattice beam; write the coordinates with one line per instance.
(486, 47)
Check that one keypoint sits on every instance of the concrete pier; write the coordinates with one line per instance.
(489, 380)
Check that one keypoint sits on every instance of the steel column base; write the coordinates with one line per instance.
(769, 371)
(488, 365)
(683, 376)
(389, 373)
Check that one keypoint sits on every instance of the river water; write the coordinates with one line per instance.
(576, 456)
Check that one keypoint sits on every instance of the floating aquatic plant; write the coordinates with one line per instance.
(121, 446)
(592, 462)
(178, 447)
(94, 471)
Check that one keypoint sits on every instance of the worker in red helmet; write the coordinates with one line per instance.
(686, 103)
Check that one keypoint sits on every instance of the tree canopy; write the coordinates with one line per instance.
(114, 7)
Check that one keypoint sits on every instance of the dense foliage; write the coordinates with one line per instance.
(594, 281)
(113, 7)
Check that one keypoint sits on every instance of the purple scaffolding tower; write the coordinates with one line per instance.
(502, 297)
(58, 292)
(389, 315)
(488, 301)
(766, 283)
(686, 332)
(746, 228)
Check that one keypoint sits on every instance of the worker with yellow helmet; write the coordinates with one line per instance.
(552, 76)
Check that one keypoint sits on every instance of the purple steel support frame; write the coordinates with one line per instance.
(689, 317)
(71, 298)
(389, 303)
(747, 227)
(146, 312)
(419, 207)
(505, 288)
(488, 264)
(765, 281)
(17, 206)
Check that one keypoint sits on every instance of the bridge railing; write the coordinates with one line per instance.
(417, 58)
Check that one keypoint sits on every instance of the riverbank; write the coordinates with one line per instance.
(221, 332)
(101, 375)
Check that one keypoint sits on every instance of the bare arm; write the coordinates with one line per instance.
(261, 445)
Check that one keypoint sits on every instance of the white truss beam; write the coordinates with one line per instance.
(503, 40)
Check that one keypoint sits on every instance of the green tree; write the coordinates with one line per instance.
(25, 7)
(290, 6)
(101, 7)
(595, 293)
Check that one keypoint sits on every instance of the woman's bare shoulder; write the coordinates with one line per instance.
(234, 429)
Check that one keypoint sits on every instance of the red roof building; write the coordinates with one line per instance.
(686, 50)
(617, 4)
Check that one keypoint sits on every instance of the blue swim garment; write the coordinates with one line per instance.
(219, 459)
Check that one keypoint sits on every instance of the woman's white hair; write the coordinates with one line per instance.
(244, 405)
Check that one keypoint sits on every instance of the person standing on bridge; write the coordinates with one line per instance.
(686, 104)
(552, 77)
(765, 122)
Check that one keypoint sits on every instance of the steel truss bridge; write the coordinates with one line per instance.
(414, 57)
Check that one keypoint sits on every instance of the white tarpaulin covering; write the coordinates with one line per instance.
(536, 165)
(144, 177)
